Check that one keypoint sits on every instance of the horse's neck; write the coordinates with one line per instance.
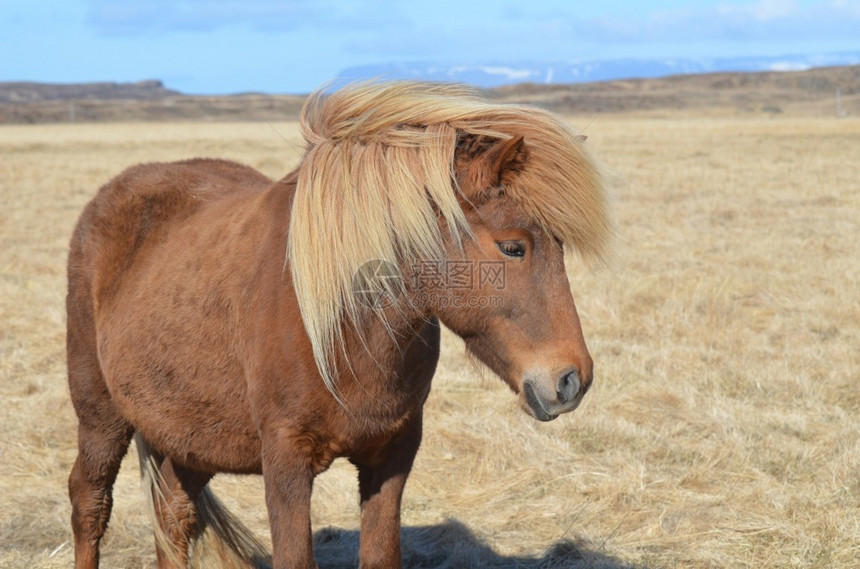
(392, 360)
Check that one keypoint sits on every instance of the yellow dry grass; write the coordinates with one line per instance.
(723, 428)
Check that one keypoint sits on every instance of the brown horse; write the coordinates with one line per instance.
(223, 318)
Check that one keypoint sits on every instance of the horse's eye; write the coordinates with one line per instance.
(512, 248)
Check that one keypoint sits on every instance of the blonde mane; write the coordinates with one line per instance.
(378, 175)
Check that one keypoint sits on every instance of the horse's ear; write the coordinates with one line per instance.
(484, 163)
(506, 157)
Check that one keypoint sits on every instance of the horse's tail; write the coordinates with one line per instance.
(222, 540)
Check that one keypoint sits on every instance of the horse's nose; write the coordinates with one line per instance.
(545, 399)
(569, 385)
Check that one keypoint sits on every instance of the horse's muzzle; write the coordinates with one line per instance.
(545, 403)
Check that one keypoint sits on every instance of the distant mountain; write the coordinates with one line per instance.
(560, 72)
(29, 92)
(817, 92)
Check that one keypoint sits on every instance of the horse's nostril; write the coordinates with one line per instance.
(568, 385)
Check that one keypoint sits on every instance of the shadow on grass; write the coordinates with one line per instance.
(452, 545)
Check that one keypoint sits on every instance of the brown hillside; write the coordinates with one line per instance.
(803, 93)
(770, 92)
(28, 92)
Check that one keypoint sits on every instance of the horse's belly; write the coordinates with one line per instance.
(207, 436)
(184, 393)
(199, 431)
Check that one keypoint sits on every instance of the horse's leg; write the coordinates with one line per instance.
(381, 488)
(103, 439)
(288, 478)
(175, 503)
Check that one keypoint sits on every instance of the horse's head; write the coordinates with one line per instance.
(378, 171)
(506, 292)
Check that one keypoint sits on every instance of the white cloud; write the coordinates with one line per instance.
(763, 21)
(763, 10)
(141, 18)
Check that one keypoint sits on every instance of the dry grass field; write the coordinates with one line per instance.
(723, 428)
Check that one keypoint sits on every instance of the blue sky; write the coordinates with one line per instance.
(292, 46)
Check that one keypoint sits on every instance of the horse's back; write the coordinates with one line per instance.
(146, 195)
(136, 209)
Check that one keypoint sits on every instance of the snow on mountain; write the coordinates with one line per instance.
(494, 74)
